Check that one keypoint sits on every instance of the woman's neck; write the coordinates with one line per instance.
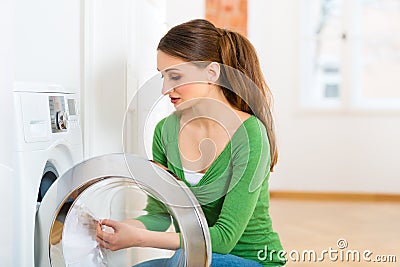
(208, 112)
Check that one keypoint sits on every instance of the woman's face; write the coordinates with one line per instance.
(182, 81)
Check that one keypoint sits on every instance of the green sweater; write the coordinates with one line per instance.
(233, 192)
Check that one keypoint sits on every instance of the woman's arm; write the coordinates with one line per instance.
(135, 223)
(125, 235)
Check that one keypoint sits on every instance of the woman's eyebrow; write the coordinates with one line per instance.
(166, 70)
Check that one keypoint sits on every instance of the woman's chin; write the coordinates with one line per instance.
(182, 105)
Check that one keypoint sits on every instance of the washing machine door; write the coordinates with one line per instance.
(115, 186)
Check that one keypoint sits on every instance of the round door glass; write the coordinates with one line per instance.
(113, 198)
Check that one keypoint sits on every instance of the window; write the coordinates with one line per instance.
(351, 54)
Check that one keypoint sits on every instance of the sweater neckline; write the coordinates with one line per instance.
(217, 159)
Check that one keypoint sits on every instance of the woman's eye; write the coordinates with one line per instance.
(175, 78)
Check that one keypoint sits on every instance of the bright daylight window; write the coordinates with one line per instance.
(351, 54)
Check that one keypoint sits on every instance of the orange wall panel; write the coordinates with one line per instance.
(229, 14)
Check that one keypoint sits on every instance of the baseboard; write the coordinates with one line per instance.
(334, 196)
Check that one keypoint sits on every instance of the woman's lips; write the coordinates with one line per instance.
(174, 100)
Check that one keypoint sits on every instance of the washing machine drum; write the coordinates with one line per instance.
(115, 186)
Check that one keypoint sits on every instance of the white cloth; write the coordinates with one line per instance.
(192, 177)
(79, 244)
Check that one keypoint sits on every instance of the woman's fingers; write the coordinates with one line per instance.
(106, 240)
(100, 233)
(111, 223)
(116, 235)
(102, 243)
(107, 234)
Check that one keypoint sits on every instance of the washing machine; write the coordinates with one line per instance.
(49, 142)
(111, 186)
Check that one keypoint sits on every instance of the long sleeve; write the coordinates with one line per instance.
(157, 217)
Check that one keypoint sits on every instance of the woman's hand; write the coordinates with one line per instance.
(124, 235)
(132, 233)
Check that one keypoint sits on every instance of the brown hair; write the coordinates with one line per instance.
(200, 40)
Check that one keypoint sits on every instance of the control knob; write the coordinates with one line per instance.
(62, 120)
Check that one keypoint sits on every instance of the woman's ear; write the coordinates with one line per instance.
(213, 72)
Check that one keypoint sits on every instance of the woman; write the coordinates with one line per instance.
(220, 142)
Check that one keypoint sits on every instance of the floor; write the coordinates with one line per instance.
(345, 230)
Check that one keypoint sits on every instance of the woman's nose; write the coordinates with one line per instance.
(166, 88)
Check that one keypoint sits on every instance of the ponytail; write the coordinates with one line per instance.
(237, 52)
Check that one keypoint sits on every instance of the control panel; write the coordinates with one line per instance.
(63, 113)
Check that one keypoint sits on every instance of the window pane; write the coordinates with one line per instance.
(380, 69)
(380, 17)
(331, 90)
(379, 49)
(325, 18)
(323, 21)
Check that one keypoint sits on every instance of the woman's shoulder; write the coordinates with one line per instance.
(252, 130)
(254, 125)
(168, 120)
(166, 128)
(249, 120)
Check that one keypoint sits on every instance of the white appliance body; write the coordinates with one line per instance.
(49, 142)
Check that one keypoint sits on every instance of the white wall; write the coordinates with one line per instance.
(319, 151)
(7, 178)
(104, 75)
(147, 26)
(179, 11)
(48, 42)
